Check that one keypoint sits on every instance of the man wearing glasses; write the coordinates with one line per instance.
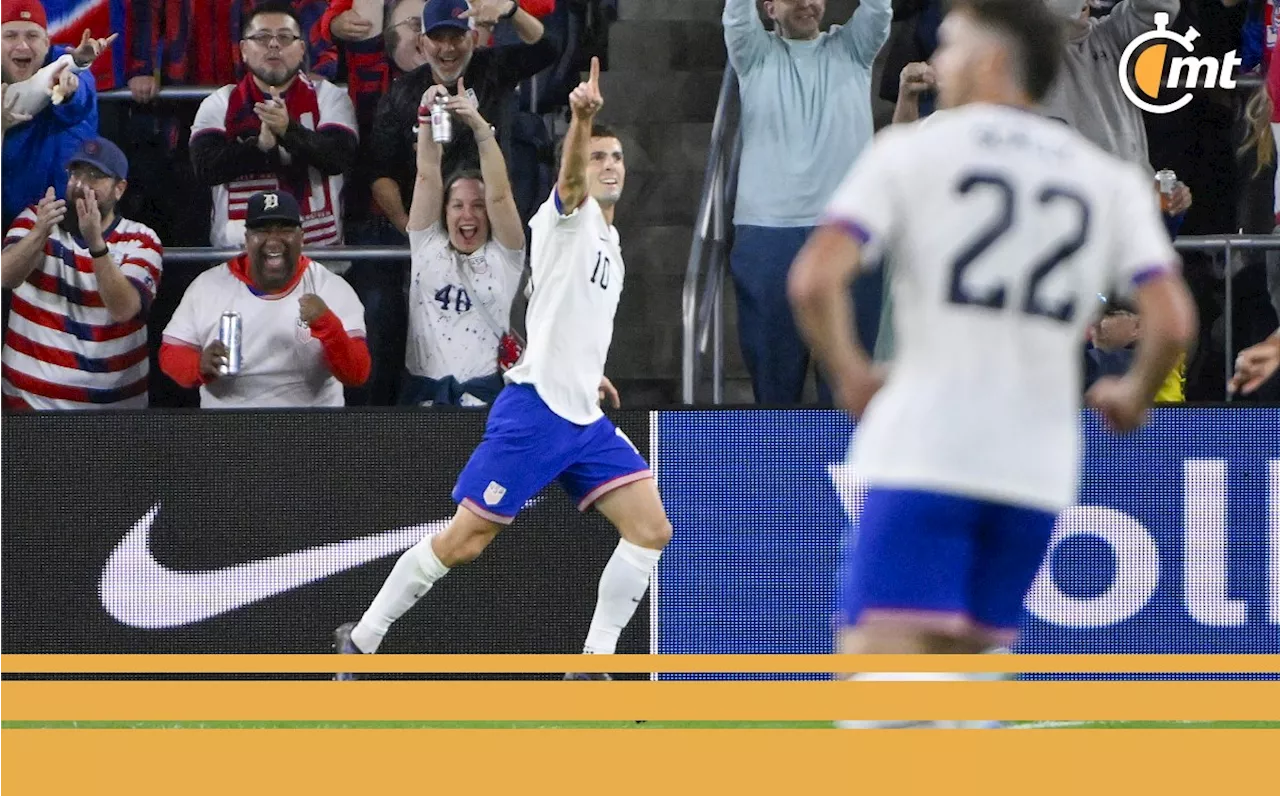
(275, 130)
(83, 280)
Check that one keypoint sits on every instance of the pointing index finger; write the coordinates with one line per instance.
(595, 72)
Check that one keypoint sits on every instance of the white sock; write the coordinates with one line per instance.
(412, 577)
(622, 585)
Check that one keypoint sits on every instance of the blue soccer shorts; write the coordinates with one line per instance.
(527, 446)
(947, 561)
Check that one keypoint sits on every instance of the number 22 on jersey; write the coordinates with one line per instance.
(1065, 245)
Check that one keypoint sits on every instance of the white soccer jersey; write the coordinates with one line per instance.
(321, 205)
(1002, 228)
(282, 365)
(63, 350)
(448, 334)
(577, 275)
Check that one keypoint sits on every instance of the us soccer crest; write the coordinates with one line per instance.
(494, 493)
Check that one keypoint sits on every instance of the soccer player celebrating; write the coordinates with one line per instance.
(546, 424)
(1002, 226)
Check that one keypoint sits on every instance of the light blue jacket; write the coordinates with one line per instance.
(806, 110)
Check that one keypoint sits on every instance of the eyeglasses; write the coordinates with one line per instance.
(414, 24)
(264, 39)
(86, 173)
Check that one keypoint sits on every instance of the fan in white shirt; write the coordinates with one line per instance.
(467, 244)
(303, 328)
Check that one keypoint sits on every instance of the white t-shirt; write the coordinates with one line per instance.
(1002, 228)
(448, 334)
(282, 365)
(321, 206)
(577, 276)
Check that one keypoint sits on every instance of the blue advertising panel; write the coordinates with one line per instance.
(1173, 548)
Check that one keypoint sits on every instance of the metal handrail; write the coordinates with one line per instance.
(207, 254)
(713, 179)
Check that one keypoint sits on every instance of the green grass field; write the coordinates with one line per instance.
(588, 725)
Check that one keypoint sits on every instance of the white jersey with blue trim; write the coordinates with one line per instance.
(1001, 228)
(576, 276)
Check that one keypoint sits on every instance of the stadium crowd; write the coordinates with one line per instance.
(323, 123)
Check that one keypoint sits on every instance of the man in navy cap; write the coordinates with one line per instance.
(490, 76)
(83, 280)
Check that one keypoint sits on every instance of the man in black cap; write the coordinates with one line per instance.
(83, 280)
(302, 330)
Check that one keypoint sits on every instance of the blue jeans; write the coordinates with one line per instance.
(380, 285)
(776, 356)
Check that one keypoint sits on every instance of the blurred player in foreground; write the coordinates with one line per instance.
(1002, 226)
(546, 424)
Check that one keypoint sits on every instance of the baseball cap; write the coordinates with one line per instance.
(103, 155)
(438, 14)
(25, 11)
(268, 206)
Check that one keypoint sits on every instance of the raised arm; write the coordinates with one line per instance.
(868, 29)
(744, 36)
(487, 13)
(504, 216)
(24, 245)
(1131, 18)
(585, 101)
(428, 186)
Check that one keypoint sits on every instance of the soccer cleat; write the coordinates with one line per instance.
(343, 645)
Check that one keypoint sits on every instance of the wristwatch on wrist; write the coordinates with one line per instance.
(515, 6)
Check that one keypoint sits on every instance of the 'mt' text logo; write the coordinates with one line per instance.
(1158, 82)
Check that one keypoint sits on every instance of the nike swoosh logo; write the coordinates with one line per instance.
(139, 591)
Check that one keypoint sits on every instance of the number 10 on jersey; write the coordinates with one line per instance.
(600, 274)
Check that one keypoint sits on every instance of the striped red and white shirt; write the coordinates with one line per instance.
(62, 349)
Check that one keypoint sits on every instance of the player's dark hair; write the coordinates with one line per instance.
(274, 7)
(1035, 35)
(455, 178)
(597, 131)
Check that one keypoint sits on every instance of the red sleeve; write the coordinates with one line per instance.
(181, 362)
(538, 8)
(347, 356)
(336, 7)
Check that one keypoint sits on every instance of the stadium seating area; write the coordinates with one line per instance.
(663, 62)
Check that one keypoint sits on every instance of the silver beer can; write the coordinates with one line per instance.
(441, 121)
(229, 333)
